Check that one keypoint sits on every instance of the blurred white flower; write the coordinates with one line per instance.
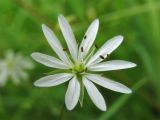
(82, 65)
(13, 67)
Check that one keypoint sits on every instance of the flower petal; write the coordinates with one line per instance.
(69, 36)
(26, 63)
(3, 76)
(88, 39)
(55, 44)
(105, 50)
(53, 80)
(109, 84)
(49, 61)
(111, 65)
(72, 94)
(15, 76)
(94, 94)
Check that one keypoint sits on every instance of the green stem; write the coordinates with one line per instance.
(1, 103)
(61, 112)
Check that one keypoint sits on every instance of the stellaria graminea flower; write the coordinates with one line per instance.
(13, 67)
(81, 64)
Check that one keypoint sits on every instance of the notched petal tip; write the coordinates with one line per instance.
(60, 15)
(72, 94)
(61, 18)
(120, 37)
(96, 21)
(104, 108)
(94, 94)
(33, 55)
(36, 84)
(69, 108)
(43, 26)
(128, 91)
(131, 65)
(134, 65)
(39, 84)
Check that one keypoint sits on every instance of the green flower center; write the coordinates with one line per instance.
(79, 68)
(9, 64)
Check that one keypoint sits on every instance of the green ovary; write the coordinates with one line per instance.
(79, 68)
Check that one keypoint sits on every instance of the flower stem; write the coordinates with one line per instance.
(61, 112)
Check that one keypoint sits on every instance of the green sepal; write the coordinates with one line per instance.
(90, 54)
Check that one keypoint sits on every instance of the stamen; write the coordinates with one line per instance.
(96, 46)
(101, 57)
(108, 56)
(81, 49)
(64, 49)
(102, 75)
(85, 37)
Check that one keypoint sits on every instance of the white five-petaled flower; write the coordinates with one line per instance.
(81, 64)
(14, 67)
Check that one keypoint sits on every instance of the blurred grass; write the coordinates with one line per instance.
(122, 100)
(138, 21)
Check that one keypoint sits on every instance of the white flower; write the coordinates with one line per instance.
(13, 67)
(81, 64)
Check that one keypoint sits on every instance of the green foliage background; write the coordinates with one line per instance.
(137, 20)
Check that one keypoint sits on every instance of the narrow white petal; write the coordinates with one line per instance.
(111, 65)
(106, 49)
(72, 94)
(23, 74)
(15, 77)
(109, 84)
(49, 61)
(3, 76)
(1, 63)
(55, 44)
(88, 39)
(19, 73)
(69, 36)
(94, 94)
(10, 55)
(26, 63)
(53, 80)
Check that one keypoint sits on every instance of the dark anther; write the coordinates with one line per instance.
(81, 49)
(108, 56)
(64, 49)
(85, 37)
(101, 57)
(96, 46)
(102, 75)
